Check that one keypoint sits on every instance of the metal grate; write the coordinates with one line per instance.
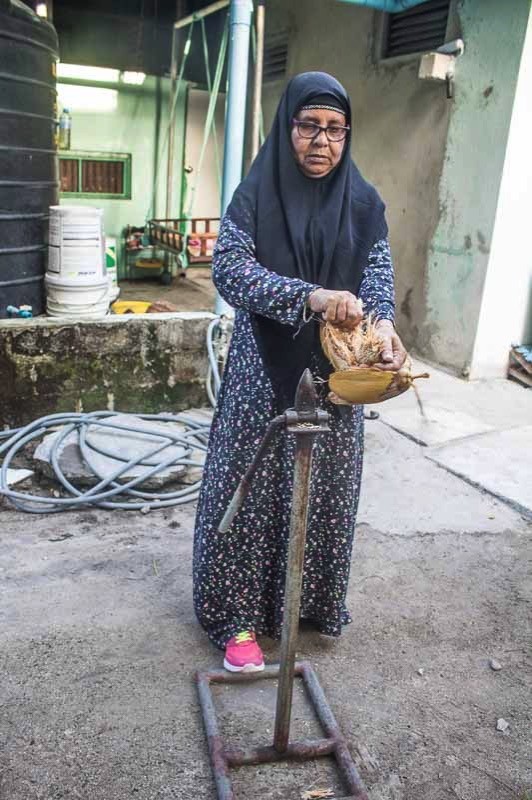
(68, 174)
(102, 177)
(420, 29)
(275, 56)
(84, 174)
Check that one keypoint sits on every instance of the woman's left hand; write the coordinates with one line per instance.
(393, 353)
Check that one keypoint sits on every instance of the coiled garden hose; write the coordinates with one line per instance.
(108, 492)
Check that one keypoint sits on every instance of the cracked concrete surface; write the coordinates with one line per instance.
(98, 645)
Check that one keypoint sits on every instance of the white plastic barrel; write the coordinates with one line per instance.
(76, 276)
(76, 300)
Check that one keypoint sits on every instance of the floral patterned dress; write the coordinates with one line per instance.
(239, 576)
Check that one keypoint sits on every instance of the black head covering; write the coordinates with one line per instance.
(317, 229)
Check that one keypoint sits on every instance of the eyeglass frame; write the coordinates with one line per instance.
(320, 128)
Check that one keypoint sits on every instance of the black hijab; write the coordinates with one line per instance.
(320, 230)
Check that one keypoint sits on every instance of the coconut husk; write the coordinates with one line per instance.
(353, 354)
(354, 347)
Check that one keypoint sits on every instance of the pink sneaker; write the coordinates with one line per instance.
(242, 653)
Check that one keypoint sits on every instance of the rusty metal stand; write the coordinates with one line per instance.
(305, 421)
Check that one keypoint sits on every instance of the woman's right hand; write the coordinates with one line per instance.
(339, 308)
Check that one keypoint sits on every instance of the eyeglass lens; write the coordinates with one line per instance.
(308, 130)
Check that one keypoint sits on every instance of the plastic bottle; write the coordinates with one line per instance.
(65, 128)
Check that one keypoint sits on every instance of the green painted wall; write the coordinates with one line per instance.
(132, 128)
(486, 77)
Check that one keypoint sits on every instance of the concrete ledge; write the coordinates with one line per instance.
(139, 362)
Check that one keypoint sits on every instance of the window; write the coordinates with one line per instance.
(69, 174)
(106, 175)
(275, 56)
(420, 29)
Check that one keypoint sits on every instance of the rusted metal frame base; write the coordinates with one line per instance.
(223, 756)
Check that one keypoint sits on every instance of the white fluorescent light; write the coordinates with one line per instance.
(81, 72)
(41, 10)
(134, 78)
(91, 99)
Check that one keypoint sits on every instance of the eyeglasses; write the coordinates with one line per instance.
(310, 130)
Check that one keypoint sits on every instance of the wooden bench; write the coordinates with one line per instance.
(197, 243)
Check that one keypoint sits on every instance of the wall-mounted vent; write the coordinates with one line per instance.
(421, 29)
(275, 56)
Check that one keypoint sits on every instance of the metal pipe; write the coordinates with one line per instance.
(171, 131)
(235, 118)
(204, 12)
(156, 141)
(257, 89)
(244, 486)
(305, 750)
(292, 597)
(390, 6)
(173, 105)
(224, 756)
(269, 673)
(306, 425)
(332, 729)
(214, 740)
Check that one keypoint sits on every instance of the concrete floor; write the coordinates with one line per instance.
(192, 292)
(479, 430)
(98, 646)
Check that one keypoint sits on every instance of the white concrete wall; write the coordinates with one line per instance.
(506, 310)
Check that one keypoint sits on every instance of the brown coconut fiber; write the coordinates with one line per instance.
(353, 353)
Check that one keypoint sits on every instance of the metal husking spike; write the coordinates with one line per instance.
(306, 397)
(305, 421)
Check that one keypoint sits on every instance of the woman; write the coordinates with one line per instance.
(304, 235)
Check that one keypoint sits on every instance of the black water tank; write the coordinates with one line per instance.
(28, 157)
